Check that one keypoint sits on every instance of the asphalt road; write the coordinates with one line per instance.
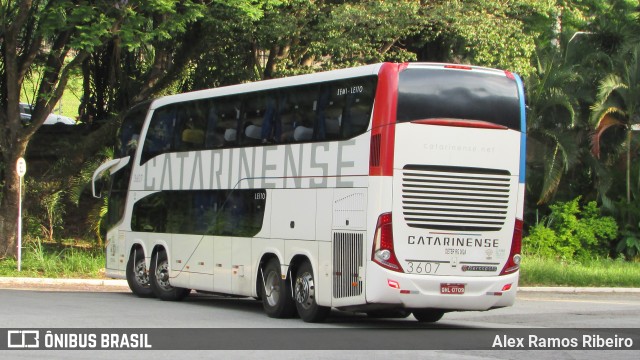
(83, 307)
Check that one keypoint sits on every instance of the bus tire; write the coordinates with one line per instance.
(389, 314)
(138, 276)
(428, 315)
(159, 279)
(275, 292)
(305, 296)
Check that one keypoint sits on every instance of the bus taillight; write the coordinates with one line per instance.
(513, 263)
(458, 67)
(461, 123)
(383, 252)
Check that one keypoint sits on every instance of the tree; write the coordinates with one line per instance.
(617, 107)
(57, 37)
(581, 39)
(325, 34)
(551, 122)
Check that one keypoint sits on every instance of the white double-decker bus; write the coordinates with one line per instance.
(385, 189)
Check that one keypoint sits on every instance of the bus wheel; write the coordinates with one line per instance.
(275, 292)
(138, 276)
(428, 315)
(159, 279)
(305, 296)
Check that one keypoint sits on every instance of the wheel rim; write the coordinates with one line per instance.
(141, 274)
(162, 275)
(272, 288)
(305, 290)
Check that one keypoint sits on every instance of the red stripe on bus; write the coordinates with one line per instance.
(384, 119)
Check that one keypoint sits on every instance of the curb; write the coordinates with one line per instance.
(48, 281)
(579, 290)
(123, 283)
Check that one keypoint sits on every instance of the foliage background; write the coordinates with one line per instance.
(579, 59)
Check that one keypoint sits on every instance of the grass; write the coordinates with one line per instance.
(68, 104)
(55, 261)
(536, 271)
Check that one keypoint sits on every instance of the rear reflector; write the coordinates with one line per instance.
(393, 284)
(461, 123)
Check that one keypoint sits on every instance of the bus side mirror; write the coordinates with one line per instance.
(112, 165)
(98, 187)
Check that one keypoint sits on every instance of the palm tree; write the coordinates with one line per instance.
(552, 120)
(617, 107)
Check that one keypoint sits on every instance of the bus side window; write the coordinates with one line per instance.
(271, 129)
(251, 119)
(160, 133)
(354, 100)
(191, 123)
(361, 107)
(298, 122)
(228, 111)
(322, 103)
(242, 213)
(150, 213)
(214, 137)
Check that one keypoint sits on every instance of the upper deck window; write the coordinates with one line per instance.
(327, 111)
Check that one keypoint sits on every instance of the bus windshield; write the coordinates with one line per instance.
(469, 94)
(129, 132)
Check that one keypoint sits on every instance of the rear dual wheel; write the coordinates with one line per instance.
(138, 276)
(389, 314)
(305, 295)
(428, 315)
(159, 279)
(276, 292)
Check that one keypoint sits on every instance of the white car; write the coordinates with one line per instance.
(25, 113)
(52, 119)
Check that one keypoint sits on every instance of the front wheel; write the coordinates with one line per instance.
(138, 276)
(428, 315)
(305, 296)
(159, 279)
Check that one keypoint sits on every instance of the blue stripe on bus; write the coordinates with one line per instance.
(523, 129)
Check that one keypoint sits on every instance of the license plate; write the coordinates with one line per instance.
(452, 289)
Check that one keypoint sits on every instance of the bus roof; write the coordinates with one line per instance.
(308, 79)
(269, 84)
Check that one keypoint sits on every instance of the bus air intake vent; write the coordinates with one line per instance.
(455, 198)
(374, 159)
(347, 262)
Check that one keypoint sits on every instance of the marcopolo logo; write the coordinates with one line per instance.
(23, 339)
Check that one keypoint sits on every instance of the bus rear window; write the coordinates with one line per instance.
(463, 94)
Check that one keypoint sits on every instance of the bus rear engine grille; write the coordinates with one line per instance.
(455, 198)
(347, 264)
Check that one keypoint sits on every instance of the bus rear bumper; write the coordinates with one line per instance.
(440, 292)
